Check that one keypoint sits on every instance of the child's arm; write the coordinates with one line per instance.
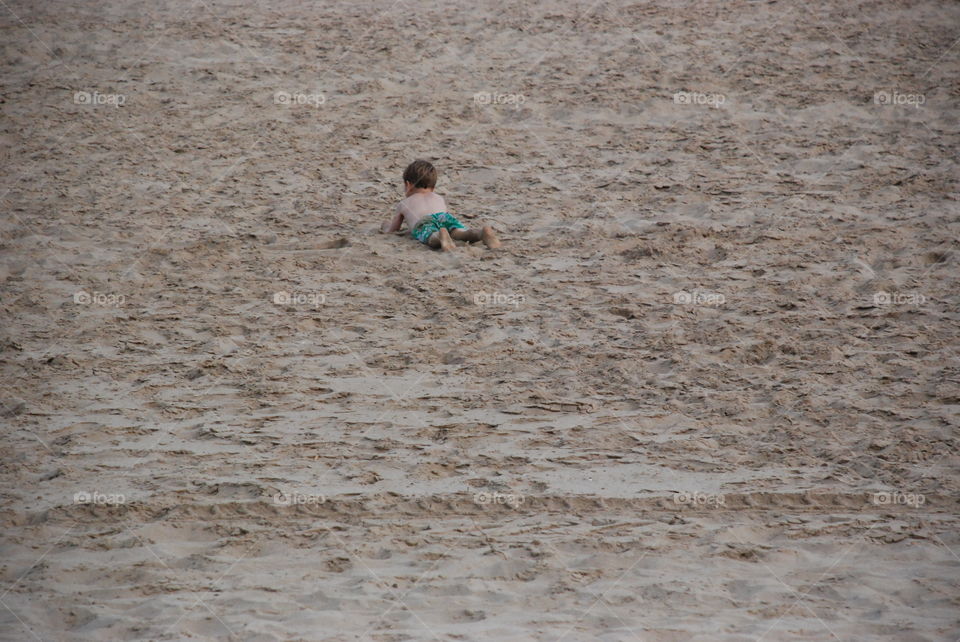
(393, 225)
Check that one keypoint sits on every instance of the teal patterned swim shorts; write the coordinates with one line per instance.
(434, 223)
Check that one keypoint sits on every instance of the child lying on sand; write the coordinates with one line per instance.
(425, 213)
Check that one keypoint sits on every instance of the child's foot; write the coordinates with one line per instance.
(489, 237)
(446, 243)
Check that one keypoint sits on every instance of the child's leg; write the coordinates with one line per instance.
(470, 236)
(487, 235)
(442, 240)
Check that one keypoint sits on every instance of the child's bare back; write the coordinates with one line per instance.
(418, 205)
(426, 216)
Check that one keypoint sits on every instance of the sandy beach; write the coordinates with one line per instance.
(708, 389)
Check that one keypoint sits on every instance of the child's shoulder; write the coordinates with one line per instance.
(416, 199)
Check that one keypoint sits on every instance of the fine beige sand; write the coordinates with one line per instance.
(709, 389)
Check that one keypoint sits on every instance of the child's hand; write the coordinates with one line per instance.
(393, 225)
